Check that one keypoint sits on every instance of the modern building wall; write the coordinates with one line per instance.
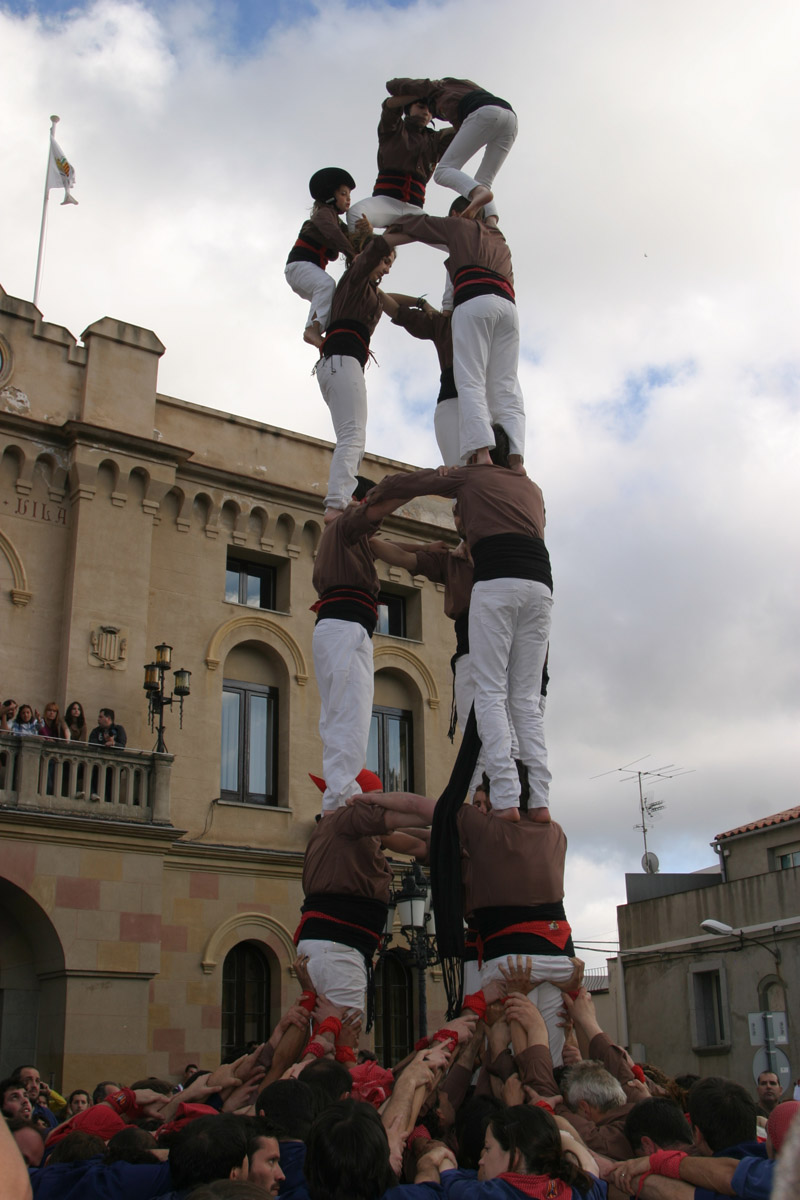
(687, 993)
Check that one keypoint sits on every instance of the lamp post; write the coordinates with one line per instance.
(418, 928)
(157, 699)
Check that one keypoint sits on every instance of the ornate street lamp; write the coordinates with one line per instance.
(157, 699)
(417, 926)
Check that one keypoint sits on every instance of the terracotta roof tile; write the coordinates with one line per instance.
(789, 814)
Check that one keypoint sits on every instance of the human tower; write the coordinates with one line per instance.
(498, 863)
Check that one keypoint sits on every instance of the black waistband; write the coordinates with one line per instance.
(512, 556)
(352, 920)
(350, 338)
(308, 250)
(490, 922)
(480, 99)
(410, 188)
(473, 281)
(447, 386)
(348, 604)
(462, 636)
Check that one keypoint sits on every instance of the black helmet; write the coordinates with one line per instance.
(324, 183)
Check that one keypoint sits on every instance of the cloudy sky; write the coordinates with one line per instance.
(651, 205)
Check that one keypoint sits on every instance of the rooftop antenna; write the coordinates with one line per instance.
(647, 805)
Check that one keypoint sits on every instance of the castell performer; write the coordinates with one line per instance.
(347, 584)
(347, 883)
(321, 239)
(485, 327)
(423, 321)
(479, 119)
(356, 310)
(509, 613)
(408, 151)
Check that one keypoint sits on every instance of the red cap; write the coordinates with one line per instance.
(368, 781)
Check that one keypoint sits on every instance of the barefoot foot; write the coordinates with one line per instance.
(477, 198)
(313, 335)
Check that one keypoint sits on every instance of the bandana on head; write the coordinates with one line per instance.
(779, 1121)
(372, 1083)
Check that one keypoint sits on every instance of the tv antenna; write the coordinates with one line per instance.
(648, 807)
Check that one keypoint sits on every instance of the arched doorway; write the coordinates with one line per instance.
(246, 995)
(32, 985)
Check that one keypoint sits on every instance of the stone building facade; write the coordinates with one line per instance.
(148, 901)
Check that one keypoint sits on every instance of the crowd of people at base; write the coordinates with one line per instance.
(25, 721)
(476, 1112)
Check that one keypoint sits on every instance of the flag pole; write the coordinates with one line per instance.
(54, 121)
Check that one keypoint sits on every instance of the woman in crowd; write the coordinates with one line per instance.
(53, 726)
(27, 722)
(76, 722)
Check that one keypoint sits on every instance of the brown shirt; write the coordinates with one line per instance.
(407, 148)
(441, 566)
(344, 855)
(444, 95)
(519, 863)
(470, 243)
(491, 500)
(324, 226)
(356, 297)
(344, 555)
(433, 327)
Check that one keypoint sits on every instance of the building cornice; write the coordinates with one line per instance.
(70, 829)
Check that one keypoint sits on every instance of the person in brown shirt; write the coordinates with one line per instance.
(509, 615)
(423, 321)
(346, 582)
(479, 119)
(320, 241)
(355, 311)
(514, 899)
(485, 327)
(408, 151)
(346, 884)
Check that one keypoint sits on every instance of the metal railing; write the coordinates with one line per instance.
(74, 777)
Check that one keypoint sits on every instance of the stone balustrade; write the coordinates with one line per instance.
(73, 777)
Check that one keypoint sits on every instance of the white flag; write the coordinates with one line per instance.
(60, 172)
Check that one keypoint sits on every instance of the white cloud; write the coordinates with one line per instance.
(650, 203)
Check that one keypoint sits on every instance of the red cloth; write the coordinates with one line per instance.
(476, 1002)
(371, 1083)
(638, 1073)
(308, 1000)
(779, 1121)
(345, 1054)
(185, 1113)
(100, 1119)
(541, 1187)
(667, 1163)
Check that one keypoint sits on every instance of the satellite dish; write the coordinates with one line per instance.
(650, 863)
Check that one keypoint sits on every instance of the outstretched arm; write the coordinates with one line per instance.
(404, 810)
(390, 552)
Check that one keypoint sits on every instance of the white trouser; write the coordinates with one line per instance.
(485, 358)
(336, 970)
(343, 667)
(344, 390)
(380, 211)
(490, 126)
(509, 628)
(465, 695)
(547, 998)
(445, 426)
(472, 977)
(314, 284)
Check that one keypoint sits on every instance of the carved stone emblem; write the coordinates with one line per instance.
(108, 647)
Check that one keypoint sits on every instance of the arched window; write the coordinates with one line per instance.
(394, 1037)
(245, 998)
(250, 710)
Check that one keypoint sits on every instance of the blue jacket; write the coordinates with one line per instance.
(95, 1180)
(464, 1185)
